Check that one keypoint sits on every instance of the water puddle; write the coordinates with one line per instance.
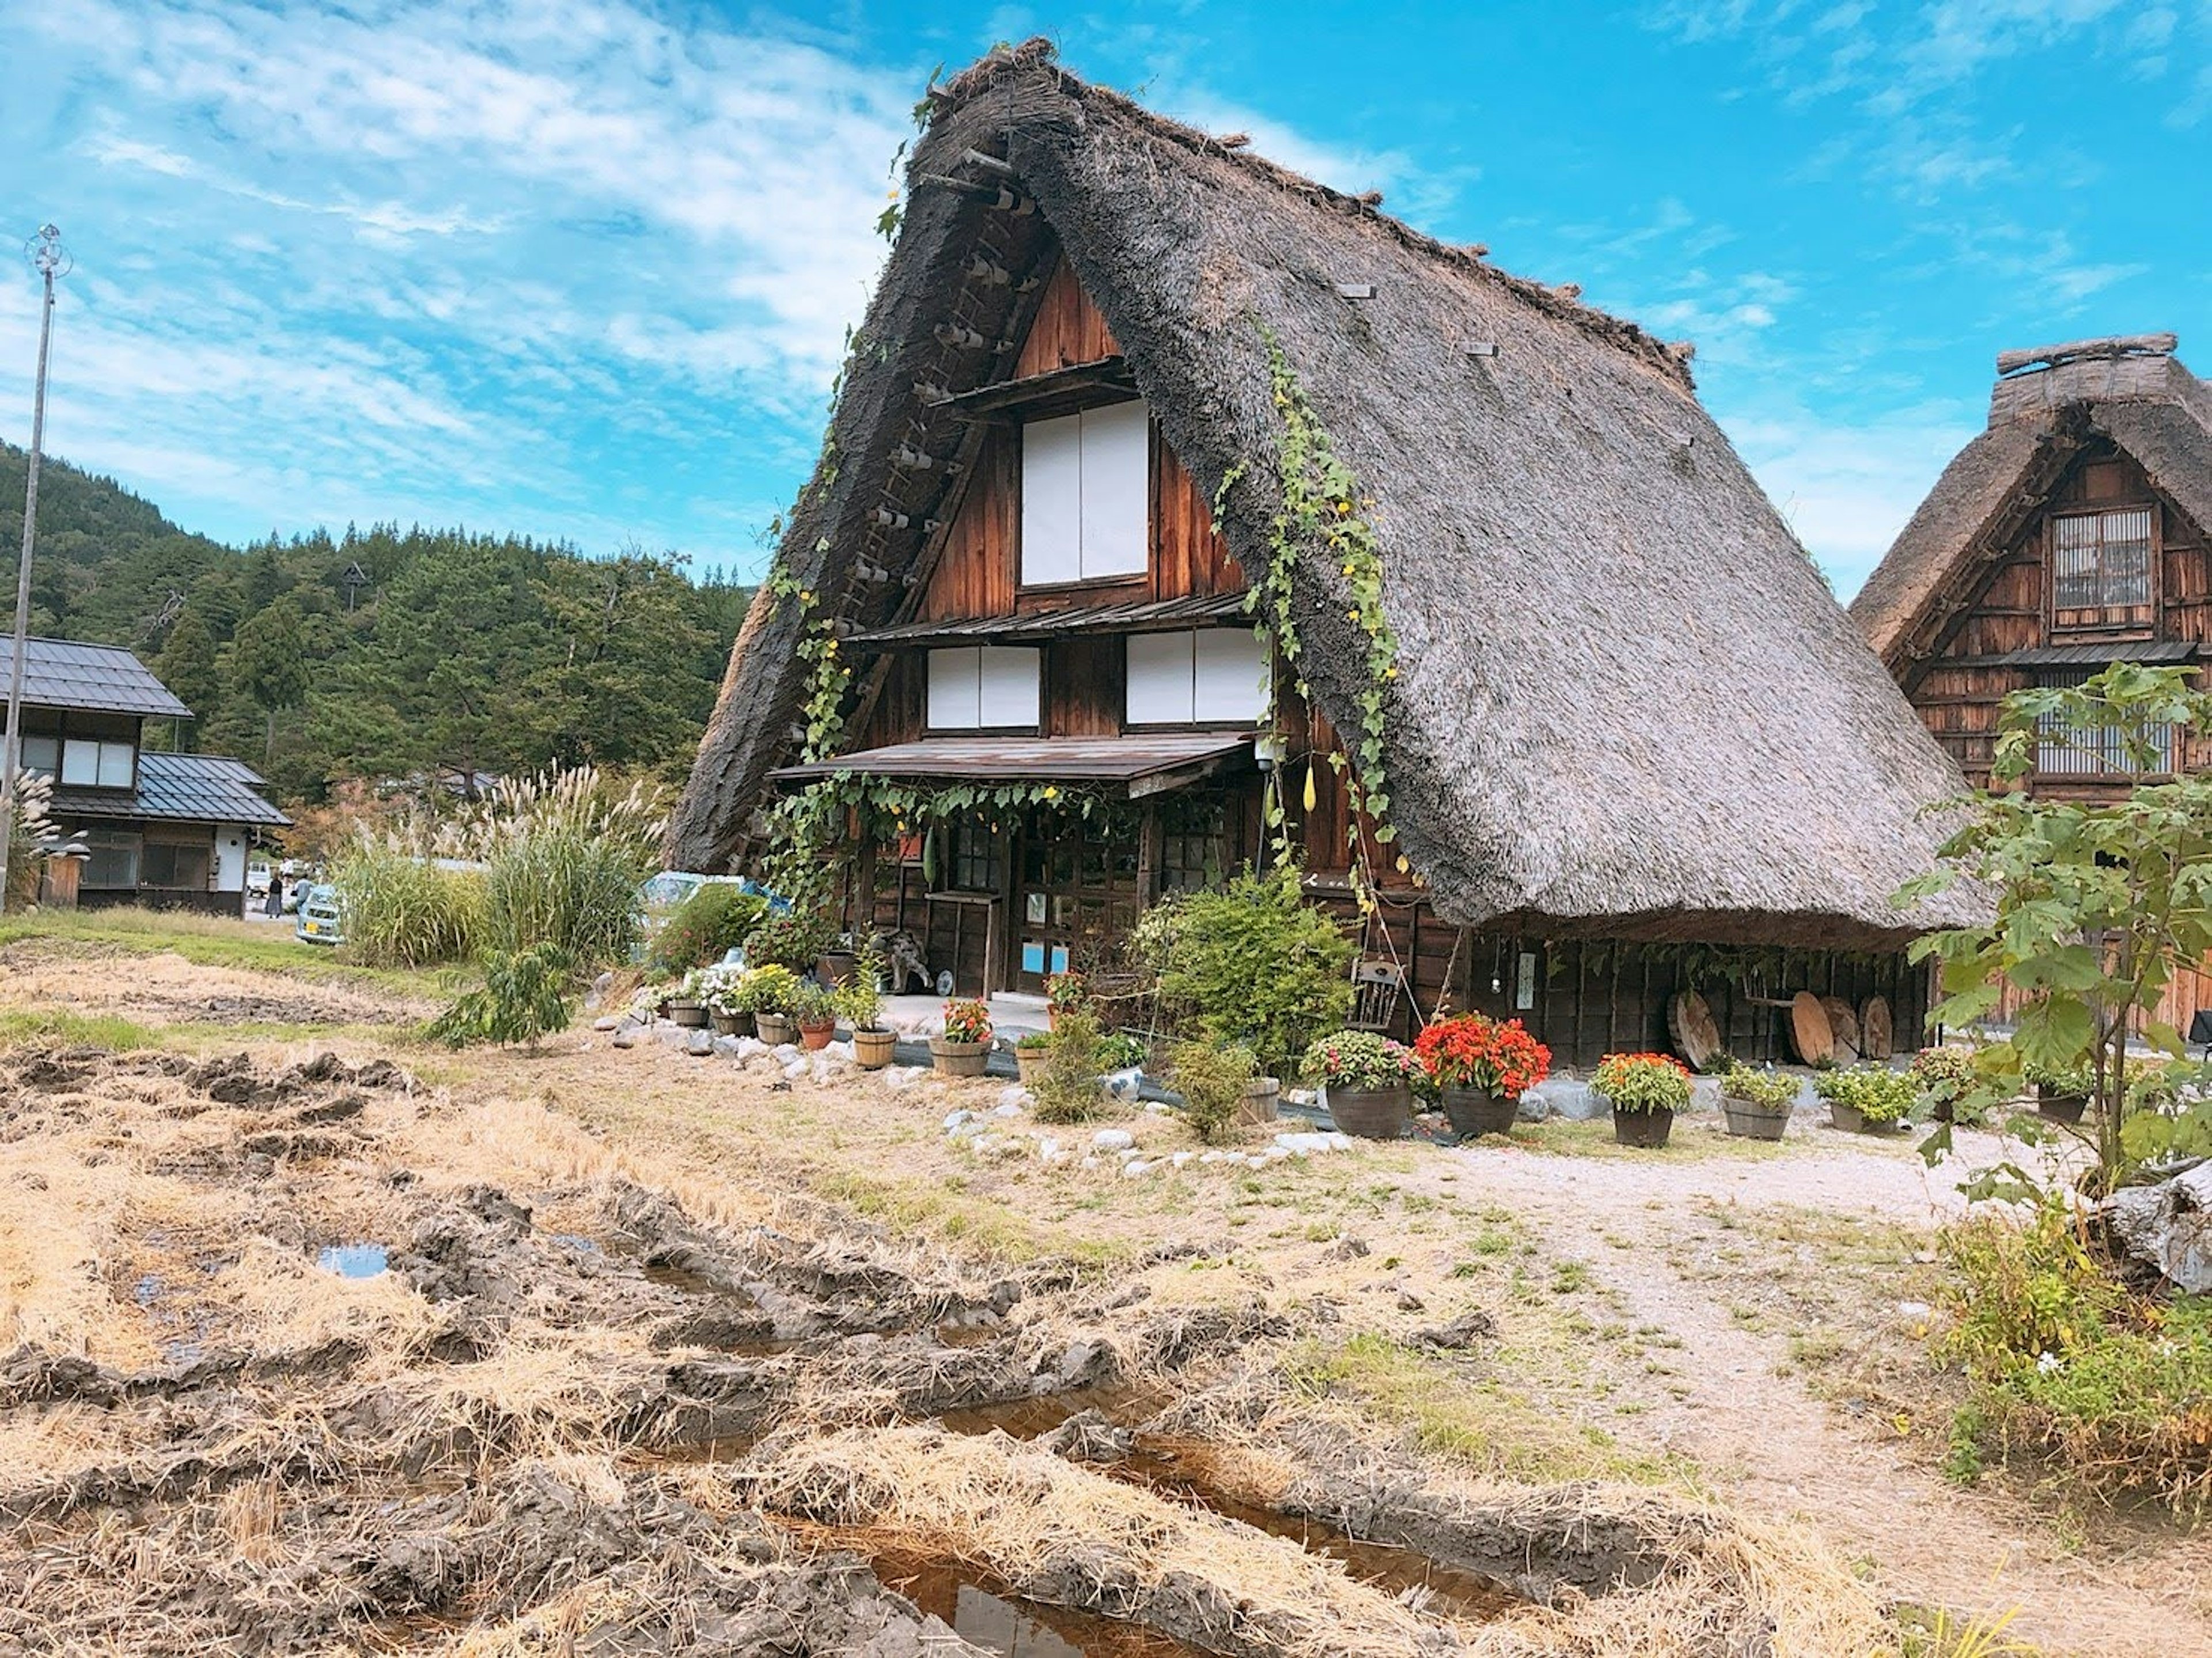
(1177, 1470)
(351, 1259)
(681, 1278)
(983, 1614)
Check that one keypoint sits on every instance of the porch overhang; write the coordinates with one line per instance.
(1136, 766)
(1039, 627)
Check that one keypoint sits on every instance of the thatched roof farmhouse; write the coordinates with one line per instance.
(1626, 706)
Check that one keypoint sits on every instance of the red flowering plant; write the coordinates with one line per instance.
(1474, 1051)
(1643, 1082)
(967, 1022)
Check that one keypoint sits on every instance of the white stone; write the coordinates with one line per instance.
(1005, 1111)
(729, 1047)
(1912, 1309)
(793, 1070)
(1181, 1157)
(955, 1119)
(1047, 1148)
(1158, 1108)
(1134, 1167)
(1089, 1162)
(1112, 1140)
(1012, 1098)
(625, 1038)
(605, 1022)
(898, 1078)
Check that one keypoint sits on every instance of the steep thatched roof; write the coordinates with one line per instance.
(2046, 404)
(1627, 704)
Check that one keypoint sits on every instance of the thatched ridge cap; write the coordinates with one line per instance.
(1037, 56)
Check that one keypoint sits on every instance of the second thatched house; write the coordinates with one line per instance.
(1543, 693)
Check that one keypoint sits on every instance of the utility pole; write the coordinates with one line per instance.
(50, 259)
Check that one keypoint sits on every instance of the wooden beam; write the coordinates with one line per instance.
(1058, 390)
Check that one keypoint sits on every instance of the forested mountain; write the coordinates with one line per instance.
(458, 653)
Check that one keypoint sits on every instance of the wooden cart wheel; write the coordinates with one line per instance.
(1809, 1032)
(1690, 1023)
(1845, 1025)
(1876, 1041)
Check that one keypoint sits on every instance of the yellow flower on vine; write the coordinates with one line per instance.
(1355, 615)
(1344, 509)
(1390, 672)
(1351, 570)
(1050, 793)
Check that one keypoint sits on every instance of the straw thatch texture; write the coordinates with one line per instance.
(1627, 703)
(2150, 405)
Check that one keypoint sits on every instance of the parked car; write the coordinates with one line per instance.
(258, 874)
(319, 921)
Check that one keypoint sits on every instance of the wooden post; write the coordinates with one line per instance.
(1151, 852)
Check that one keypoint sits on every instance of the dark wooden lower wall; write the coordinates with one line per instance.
(199, 904)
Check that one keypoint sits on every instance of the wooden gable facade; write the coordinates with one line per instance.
(2104, 567)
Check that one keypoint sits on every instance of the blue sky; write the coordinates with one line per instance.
(582, 269)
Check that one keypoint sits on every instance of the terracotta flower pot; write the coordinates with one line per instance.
(1647, 1129)
(814, 1038)
(1474, 1112)
(2055, 1107)
(1747, 1121)
(1372, 1114)
(959, 1059)
(776, 1028)
(1261, 1094)
(871, 1049)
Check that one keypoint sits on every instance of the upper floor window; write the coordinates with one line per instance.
(87, 763)
(41, 754)
(1086, 483)
(2100, 561)
(2063, 751)
(986, 687)
(1217, 677)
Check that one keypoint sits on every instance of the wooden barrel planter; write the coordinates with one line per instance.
(1852, 1121)
(733, 1024)
(2055, 1107)
(692, 1016)
(1749, 1120)
(959, 1059)
(871, 1049)
(776, 1028)
(1372, 1114)
(1473, 1113)
(1258, 1105)
(1646, 1130)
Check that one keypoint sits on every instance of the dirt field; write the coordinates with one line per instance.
(314, 1339)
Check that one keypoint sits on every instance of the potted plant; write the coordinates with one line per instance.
(814, 1010)
(768, 993)
(788, 938)
(965, 1045)
(1646, 1090)
(687, 1006)
(1031, 1053)
(1366, 1082)
(1943, 1076)
(719, 990)
(1064, 992)
(1121, 1059)
(2062, 1096)
(1867, 1099)
(1481, 1068)
(862, 1002)
(1756, 1103)
(1263, 1093)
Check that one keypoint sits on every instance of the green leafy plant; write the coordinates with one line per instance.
(1121, 1052)
(793, 938)
(706, 927)
(403, 910)
(1945, 1077)
(522, 998)
(1643, 1082)
(1065, 992)
(1771, 1090)
(967, 1021)
(814, 1008)
(2069, 1081)
(1877, 1093)
(771, 989)
(1035, 1043)
(1067, 1088)
(2098, 903)
(859, 1003)
(1360, 1060)
(1212, 1079)
(1251, 963)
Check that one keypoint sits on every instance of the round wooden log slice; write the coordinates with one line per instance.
(1876, 1040)
(1690, 1023)
(1809, 1031)
(1844, 1023)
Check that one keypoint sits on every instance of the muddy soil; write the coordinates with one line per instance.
(574, 1412)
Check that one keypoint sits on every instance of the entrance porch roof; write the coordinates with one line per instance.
(1145, 764)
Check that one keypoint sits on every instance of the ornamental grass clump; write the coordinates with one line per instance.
(403, 910)
(1878, 1094)
(1643, 1082)
(1361, 1062)
(1472, 1051)
(1212, 1081)
(1067, 1088)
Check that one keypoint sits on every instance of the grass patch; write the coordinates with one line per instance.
(947, 1212)
(1692, 1141)
(218, 941)
(19, 1027)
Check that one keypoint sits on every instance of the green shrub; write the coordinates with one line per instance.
(405, 911)
(2066, 1360)
(1067, 1088)
(1770, 1089)
(1122, 1052)
(705, 927)
(1212, 1079)
(1643, 1082)
(522, 998)
(767, 990)
(1252, 963)
(1875, 1091)
(794, 938)
(566, 888)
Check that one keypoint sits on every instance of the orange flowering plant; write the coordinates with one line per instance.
(1474, 1051)
(967, 1022)
(1643, 1082)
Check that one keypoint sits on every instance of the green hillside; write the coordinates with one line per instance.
(461, 652)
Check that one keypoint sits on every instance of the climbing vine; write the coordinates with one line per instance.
(1323, 512)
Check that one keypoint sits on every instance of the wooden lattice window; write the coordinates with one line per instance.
(1194, 842)
(2063, 752)
(2101, 563)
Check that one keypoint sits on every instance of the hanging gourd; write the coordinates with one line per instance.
(1313, 796)
(929, 859)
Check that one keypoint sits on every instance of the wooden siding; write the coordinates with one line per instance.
(1068, 329)
(1958, 690)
